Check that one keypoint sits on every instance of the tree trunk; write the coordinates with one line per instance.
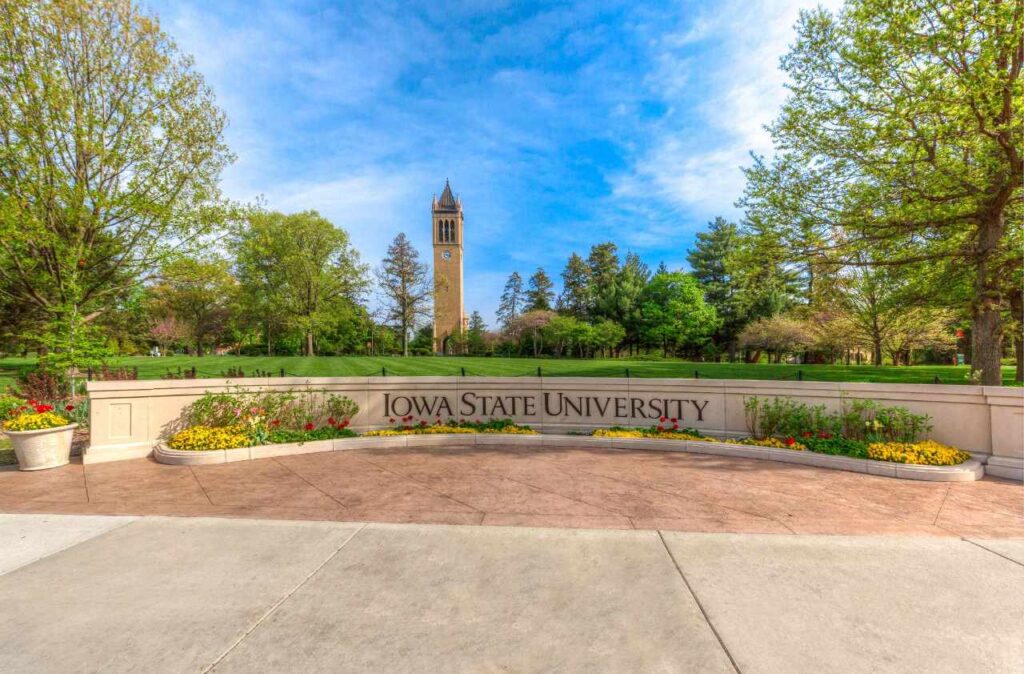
(1017, 311)
(987, 332)
(876, 351)
(309, 344)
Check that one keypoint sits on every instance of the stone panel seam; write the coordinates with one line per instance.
(697, 600)
(281, 601)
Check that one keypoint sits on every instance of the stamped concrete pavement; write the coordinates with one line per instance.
(161, 594)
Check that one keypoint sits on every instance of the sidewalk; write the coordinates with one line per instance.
(184, 595)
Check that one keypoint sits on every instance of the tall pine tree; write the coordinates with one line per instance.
(541, 291)
(512, 301)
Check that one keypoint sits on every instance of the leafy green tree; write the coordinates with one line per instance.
(305, 264)
(902, 136)
(422, 343)
(605, 335)
(406, 285)
(675, 313)
(513, 301)
(575, 298)
(540, 294)
(565, 333)
(199, 294)
(111, 149)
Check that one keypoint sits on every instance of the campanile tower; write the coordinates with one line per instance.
(449, 314)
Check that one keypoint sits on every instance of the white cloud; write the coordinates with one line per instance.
(720, 102)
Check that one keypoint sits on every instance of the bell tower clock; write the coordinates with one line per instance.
(449, 314)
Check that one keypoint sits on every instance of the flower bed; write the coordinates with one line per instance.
(409, 426)
(220, 421)
(654, 432)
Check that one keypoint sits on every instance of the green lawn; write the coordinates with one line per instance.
(326, 366)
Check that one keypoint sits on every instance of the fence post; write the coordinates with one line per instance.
(88, 373)
(538, 371)
(936, 380)
(193, 371)
(696, 374)
(799, 375)
(463, 372)
(383, 372)
(627, 373)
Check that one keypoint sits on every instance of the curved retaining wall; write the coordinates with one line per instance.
(129, 417)
(967, 471)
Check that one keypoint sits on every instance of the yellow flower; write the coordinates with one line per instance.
(35, 422)
(439, 429)
(773, 442)
(925, 453)
(644, 433)
(207, 438)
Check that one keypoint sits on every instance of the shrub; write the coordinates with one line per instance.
(928, 453)
(867, 420)
(11, 406)
(858, 420)
(40, 384)
(287, 410)
(205, 438)
(837, 446)
(35, 421)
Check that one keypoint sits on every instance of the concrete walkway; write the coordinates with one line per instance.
(574, 488)
(89, 594)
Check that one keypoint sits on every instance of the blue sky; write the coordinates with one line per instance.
(560, 125)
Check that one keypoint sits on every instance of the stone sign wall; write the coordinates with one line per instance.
(128, 417)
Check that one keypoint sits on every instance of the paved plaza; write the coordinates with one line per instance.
(154, 594)
(570, 488)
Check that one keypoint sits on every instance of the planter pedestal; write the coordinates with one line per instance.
(39, 450)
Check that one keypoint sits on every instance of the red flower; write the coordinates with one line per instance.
(310, 427)
(807, 434)
(343, 424)
(33, 402)
(331, 421)
(825, 436)
(663, 419)
(673, 420)
(423, 422)
(675, 426)
(790, 441)
(275, 423)
(392, 419)
(43, 408)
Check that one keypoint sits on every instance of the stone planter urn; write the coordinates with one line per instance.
(47, 448)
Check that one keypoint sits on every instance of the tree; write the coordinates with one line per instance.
(603, 267)
(512, 302)
(902, 136)
(564, 333)
(532, 323)
(476, 335)
(166, 332)
(632, 278)
(198, 293)
(301, 265)
(674, 312)
(111, 148)
(405, 282)
(778, 335)
(575, 298)
(540, 294)
(711, 260)
(606, 335)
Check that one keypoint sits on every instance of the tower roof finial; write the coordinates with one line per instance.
(447, 199)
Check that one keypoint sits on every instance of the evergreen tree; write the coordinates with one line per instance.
(405, 282)
(512, 301)
(540, 294)
(476, 343)
(575, 300)
(603, 264)
(711, 262)
(632, 279)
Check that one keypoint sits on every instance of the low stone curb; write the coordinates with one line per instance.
(968, 471)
